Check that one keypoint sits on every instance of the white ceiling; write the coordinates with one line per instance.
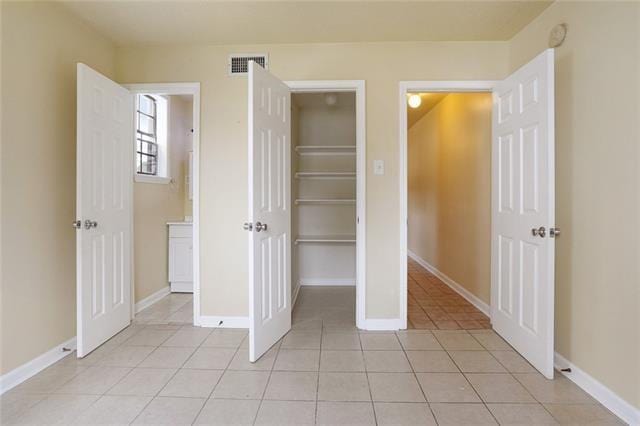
(158, 22)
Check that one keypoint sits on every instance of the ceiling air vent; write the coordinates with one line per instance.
(239, 63)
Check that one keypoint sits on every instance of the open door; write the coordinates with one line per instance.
(269, 210)
(103, 208)
(522, 240)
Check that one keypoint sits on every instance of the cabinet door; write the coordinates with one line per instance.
(180, 259)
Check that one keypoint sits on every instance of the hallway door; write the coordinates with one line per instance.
(523, 211)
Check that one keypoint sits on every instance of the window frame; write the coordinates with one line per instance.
(158, 139)
(147, 138)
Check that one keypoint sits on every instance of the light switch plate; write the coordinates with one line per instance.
(378, 167)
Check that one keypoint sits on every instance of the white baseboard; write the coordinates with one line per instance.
(600, 392)
(36, 365)
(181, 287)
(327, 282)
(382, 324)
(224, 322)
(150, 300)
(470, 297)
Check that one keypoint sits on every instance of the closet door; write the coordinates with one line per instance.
(269, 210)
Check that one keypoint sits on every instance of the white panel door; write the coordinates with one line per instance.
(103, 208)
(523, 179)
(269, 210)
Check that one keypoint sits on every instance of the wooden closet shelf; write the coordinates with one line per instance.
(325, 175)
(326, 201)
(341, 239)
(326, 149)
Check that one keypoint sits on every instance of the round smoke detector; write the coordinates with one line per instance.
(557, 35)
(331, 99)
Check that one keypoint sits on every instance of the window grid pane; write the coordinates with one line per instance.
(146, 143)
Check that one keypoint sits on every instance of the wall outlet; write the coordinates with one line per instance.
(378, 167)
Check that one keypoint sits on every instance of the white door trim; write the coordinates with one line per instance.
(194, 90)
(357, 86)
(405, 88)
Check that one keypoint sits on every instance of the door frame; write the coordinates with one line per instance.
(193, 89)
(407, 87)
(358, 87)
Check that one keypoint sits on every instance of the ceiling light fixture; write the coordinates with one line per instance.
(414, 101)
(331, 99)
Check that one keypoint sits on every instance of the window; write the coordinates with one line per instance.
(147, 135)
(151, 121)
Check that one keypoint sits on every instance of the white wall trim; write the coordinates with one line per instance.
(150, 300)
(404, 88)
(340, 282)
(382, 324)
(470, 297)
(224, 322)
(358, 87)
(18, 375)
(159, 180)
(185, 88)
(600, 392)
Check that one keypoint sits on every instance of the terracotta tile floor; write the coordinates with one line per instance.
(433, 305)
(323, 372)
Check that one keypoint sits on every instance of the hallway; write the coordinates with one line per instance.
(432, 305)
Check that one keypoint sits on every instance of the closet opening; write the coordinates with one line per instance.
(324, 213)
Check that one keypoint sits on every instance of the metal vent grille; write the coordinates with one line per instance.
(239, 64)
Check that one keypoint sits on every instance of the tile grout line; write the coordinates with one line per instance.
(464, 375)
(366, 374)
(219, 378)
(415, 376)
(159, 390)
(264, 392)
(315, 412)
(100, 396)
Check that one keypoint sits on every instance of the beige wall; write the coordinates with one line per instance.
(224, 143)
(449, 190)
(156, 204)
(41, 44)
(597, 167)
(597, 186)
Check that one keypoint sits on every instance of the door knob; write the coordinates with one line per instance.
(539, 232)
(77, 224)
(248, 226)
(88, 224)
(261, 226)
(554, 232)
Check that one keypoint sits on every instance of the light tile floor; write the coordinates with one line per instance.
(432, 305)
(323, 372)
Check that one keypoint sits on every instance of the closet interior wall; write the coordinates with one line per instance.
(323, 189)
